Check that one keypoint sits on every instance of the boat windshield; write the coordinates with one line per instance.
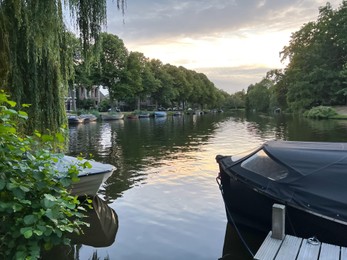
(260, 163)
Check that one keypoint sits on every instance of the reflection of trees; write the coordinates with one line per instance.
(136, 144)
(295, 128)
(304, 129)
(267, 126)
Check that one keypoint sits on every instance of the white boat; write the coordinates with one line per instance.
(90, 179)
(112, 116)
(88, 117)
(160, 114)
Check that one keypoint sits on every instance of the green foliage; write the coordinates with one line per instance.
(35, 57)
(85, 104)
(237, 100)
(320, 112)
(104, 105)
(317, 56)
(258, 96)
(35, 206)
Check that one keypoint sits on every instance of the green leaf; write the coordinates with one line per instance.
(2, 184)
(68, 229)
(23, 188)
(47, 138)
(27, 232)
(50, 197)
(11, 103)
(48, 203)
(38, 232)
(17, 207)
(23, 114)
(11, 186)
(29, 219)
(60, 137)
(11, 112)
(87, 165)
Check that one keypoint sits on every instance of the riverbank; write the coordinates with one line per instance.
(341, 112)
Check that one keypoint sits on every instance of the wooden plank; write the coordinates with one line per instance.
(329, 252)
(268, 249)
(289, 248)
(308, 250)
(343, 253)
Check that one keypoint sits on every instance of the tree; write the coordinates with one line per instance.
(237, 100)
(33, 53)
(111, 70)
(317, 54)
(258, 96)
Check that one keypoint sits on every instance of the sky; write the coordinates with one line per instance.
(233, 42)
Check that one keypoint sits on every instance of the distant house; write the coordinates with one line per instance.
(96, 93)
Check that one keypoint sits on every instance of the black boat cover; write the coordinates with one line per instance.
(307, 175)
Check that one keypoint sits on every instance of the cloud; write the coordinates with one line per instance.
(233, 79)
(234, 42)
(157, 19)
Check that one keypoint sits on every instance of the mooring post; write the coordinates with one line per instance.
(278, 221)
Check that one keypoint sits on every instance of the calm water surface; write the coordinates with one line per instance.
(164, 189)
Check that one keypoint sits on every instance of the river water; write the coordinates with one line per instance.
(164, 189)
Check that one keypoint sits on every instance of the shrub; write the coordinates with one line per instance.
(320, 112)
(36, 209)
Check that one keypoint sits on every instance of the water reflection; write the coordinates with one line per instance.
(102, 230)
(135, 145)
(164, 189)
(294, 128)
(236, 248)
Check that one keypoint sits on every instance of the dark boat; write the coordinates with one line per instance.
(310, 178)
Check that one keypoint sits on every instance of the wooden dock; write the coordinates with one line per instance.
(278, 246)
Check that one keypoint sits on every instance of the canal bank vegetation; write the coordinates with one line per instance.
(36, 209)
(37, 54)
(315, 79)
(36, 67)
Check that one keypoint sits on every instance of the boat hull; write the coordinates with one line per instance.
(90, 178)
(109, 117)
(247, 207)
(72, 119)
(160, 114)
(88, 185)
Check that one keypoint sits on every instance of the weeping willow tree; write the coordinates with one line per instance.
(35, 57)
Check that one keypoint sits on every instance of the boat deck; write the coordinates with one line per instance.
(292, 247)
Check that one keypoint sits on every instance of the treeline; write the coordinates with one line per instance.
(316, 73)
(131, 77)
(40, 60)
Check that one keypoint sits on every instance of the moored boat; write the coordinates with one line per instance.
(177, 113)
(88, 117)
(112, 116)
(132, 116)
(160, 114)
(143, 115)
(308, 177)
(74, 119)
(90, 179)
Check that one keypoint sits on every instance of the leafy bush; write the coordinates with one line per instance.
(36, 209)
(320, 112)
